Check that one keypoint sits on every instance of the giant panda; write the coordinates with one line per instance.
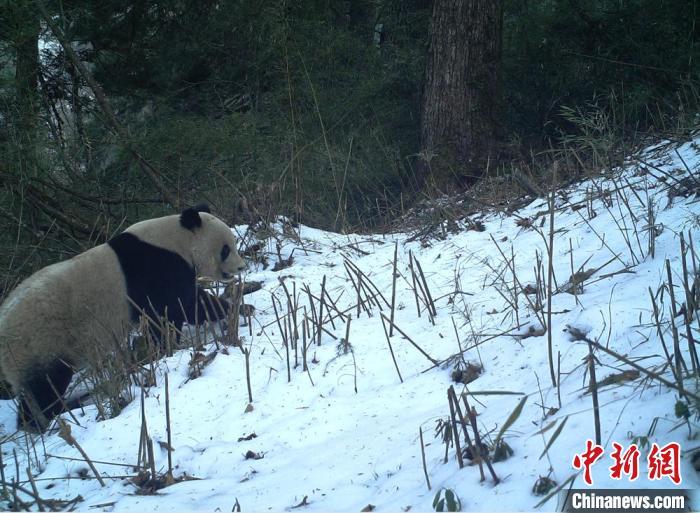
(60, 318)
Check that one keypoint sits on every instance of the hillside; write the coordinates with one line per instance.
(345, 434)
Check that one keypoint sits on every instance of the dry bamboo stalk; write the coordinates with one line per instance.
(659, 331)
(167, 427)
(16, 478)
(594, 393)
(320, 313)
(559, 378)
(290, 319)
(643, 370)
(574, 282)
(279, 321)
(696, 280)
(674, 330)
(295, 308)
(391, 350)
(335, 306)
(515, 287)
(233, 317)
(151, 458)
(393, 295)
(314, 318)
(304, 323)
(286, 350)
(476, 453)
(426, 289)
(347, 334)
(688, 317)
(39, 502)
(291, 328)
(413, 281)
(64, 432)
(455, 431)
(550, 279)
(368, 281)
(432, 360)
(423, 296)
(357, 290)
(370, 297)
(20, 505)
(143, 435)
(246, 353)
(534, 308)
(422, 452)
(330, 315)
(475, 346)
(477, 437)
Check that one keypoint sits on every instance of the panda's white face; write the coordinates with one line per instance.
(214, 250)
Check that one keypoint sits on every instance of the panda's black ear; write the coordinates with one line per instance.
(190, 219)
(202, 207)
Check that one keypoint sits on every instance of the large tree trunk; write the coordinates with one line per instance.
(460, 115)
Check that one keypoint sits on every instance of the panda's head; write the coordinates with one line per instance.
(214, 252)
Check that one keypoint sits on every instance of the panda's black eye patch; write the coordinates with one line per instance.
(225, 252)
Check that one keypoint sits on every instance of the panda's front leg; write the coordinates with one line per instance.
(40, 399)
(210, 307)
(161, 335)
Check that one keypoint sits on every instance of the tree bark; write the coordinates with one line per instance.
(460, 115)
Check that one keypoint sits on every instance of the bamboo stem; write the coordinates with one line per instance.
(422, 452)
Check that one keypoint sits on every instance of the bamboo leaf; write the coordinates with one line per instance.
(436, 500)
(494, 392)
(555, 435)
(545, 429)
(512, 418)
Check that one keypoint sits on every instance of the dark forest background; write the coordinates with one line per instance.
(308, 108)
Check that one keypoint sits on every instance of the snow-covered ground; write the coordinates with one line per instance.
(331, 447)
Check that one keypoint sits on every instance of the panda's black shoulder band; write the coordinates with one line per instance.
(158, 281)
(190, 217)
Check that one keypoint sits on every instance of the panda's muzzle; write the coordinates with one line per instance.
(229, 276)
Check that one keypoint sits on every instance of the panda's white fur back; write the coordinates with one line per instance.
(78, 305)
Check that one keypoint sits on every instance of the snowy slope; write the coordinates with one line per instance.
(343, 449)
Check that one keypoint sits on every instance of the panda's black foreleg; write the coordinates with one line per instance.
(41, 396)
(210, 307)
(165, 342)
(213, 309)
